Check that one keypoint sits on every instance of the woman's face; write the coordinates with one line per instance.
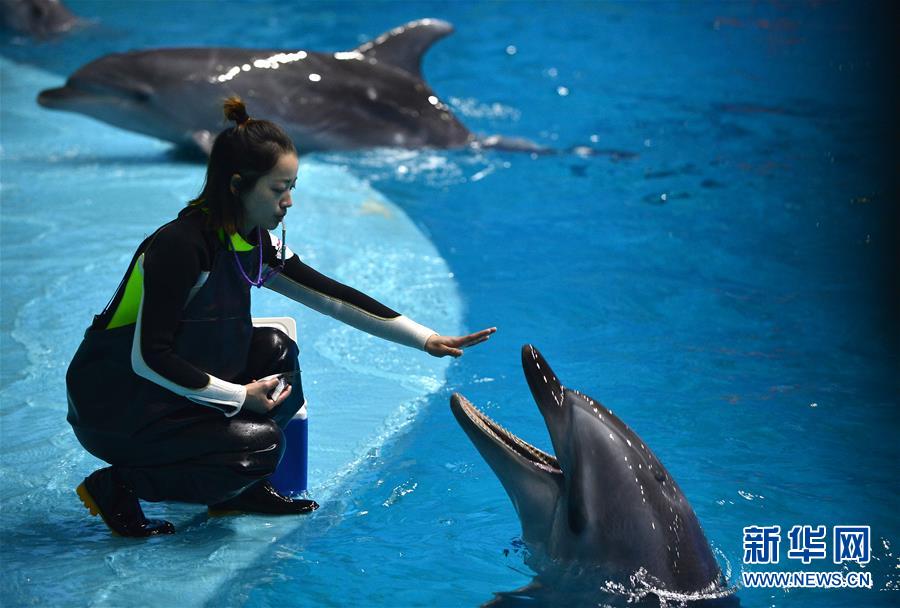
(266, 204)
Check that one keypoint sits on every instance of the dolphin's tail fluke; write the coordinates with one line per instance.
(510, 144)
(520, 144)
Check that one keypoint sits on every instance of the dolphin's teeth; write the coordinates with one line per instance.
(537, 457)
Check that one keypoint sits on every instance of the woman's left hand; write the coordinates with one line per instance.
(441, 346)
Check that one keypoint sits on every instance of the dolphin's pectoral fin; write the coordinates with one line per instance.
(203, 140)
(404, 46)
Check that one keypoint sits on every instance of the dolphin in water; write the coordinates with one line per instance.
(371, 96)
(605, 502)
(37, 18)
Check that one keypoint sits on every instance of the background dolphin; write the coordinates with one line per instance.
(371, 96)
(605, 500)
(38, 18)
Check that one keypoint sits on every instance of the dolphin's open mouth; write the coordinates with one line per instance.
(504, 438)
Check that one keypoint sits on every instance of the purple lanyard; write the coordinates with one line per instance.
(260, 277)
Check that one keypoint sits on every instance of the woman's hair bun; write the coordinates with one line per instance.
(236, 111)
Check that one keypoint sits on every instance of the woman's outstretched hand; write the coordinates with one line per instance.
(257, 399)
(441, 346)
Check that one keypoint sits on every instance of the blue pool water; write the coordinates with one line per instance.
(719, 276)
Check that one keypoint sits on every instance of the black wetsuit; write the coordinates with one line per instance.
(156, 387)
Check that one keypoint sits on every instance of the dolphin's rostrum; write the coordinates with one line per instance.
(604, 501)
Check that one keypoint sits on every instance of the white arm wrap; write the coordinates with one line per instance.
(219, 394)
(401, 330)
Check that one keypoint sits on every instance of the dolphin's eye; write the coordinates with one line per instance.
(140, 95)
(659, 474)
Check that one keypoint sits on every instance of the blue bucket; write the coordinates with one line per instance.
(290, 476)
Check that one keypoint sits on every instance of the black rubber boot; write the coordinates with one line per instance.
(261, 497)
(104, 494)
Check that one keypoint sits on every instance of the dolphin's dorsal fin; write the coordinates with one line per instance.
(404, 46)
